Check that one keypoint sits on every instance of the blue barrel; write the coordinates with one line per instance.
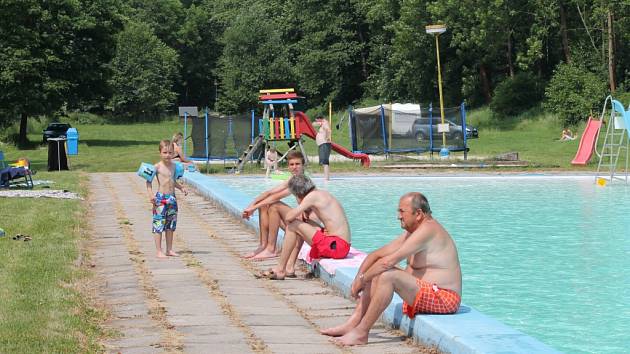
(73, 141)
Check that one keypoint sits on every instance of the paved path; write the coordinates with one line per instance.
(206, 300)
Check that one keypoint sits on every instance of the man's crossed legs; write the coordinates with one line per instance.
(295, 234)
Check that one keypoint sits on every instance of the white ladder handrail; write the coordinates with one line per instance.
(601, 118)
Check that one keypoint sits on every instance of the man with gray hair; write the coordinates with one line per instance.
(332, 240)
(431, 282)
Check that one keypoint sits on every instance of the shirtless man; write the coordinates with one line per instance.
(431, 283)
(330, 241)
(269, 223)
(324, 144)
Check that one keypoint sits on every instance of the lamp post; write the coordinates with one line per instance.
(436, 30)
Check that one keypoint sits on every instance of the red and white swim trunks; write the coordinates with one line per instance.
(431, 299)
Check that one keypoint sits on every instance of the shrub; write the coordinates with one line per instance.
(516, 94)
(623, 97)
(574, 92)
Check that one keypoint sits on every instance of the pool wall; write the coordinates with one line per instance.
(467, 331)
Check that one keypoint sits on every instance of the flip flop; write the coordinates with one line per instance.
(268, 274)
(290, 275)
(274, 276)
(264, 274)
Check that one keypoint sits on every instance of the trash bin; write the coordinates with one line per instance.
(57, 159)
(73, 141)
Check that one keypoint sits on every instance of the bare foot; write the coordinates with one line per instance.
(264, 255)
(172, 253)
(161, 255)
(354, 337)
(255, 252)
(337, 331)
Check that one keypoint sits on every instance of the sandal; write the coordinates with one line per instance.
(264, 274)
(268, 274)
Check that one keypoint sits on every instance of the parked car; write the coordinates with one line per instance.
(55, 130)
(421, 130)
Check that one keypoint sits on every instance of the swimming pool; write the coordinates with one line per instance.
(546, 255)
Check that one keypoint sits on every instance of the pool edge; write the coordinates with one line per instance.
(468, 331)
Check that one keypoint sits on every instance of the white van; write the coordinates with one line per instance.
(403, 116)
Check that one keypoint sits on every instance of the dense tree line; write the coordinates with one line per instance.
(140, 58)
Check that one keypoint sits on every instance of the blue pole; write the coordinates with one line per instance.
(463, 114)
(207, 154)
(185, 131)
(431, 128)
(383, 129)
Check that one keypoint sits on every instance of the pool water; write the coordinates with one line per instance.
(546, 255)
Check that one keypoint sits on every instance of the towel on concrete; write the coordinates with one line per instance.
(352, 260)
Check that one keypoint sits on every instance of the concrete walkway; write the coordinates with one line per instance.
(206, 300)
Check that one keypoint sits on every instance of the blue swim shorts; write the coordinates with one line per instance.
(164, 213)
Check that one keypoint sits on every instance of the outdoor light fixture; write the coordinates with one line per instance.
(436, 30)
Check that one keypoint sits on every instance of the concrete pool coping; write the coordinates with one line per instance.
(468, 331)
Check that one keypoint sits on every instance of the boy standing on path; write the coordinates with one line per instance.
(164, 202)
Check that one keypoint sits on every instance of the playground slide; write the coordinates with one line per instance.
(587, 142)
(306, 128)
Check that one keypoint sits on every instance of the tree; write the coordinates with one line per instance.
(574, 91)
(53, 53)
(199, 50)
(410, 70)
(254, 57)
(165, 17)
(144, 71)
(326, 50)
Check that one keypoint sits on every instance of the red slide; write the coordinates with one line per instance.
(305, 127)
(587, 142)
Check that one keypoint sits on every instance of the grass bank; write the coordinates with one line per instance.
(42, 307)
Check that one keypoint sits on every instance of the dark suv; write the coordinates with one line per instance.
(421, 130)
(55, 130)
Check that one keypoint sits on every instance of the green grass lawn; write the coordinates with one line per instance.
(41, 307)
(535, 138)
(110, 147)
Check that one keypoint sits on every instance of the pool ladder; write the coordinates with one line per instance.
(616, 142)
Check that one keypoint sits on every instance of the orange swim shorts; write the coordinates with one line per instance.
(431, 299)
